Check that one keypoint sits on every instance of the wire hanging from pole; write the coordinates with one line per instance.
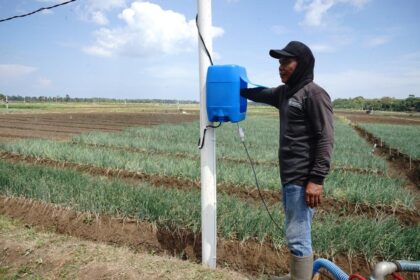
(201, 141)
(37, 11)
(202, 40)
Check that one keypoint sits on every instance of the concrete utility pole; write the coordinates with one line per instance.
(208, 152)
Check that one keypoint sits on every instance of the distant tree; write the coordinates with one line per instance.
(387, 103)
(412, 103)
(359, 102)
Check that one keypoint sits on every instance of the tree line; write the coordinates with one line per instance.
(409, 104)
(67, 98)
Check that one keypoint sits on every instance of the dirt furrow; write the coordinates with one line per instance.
(248, 256)
(78, 126)
(248, 193)
(400, 162)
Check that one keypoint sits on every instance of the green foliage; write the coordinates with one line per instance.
(165, 207)
(235, 173)
(368, 189)
(350, 152)
(261, 139)
(383, 237)
(409, 104)
(405, 138)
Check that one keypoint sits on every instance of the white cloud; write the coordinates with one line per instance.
(15, 71)
(44, 83)
(413, 57)
(280, 30)
(94, 10)
(371, 84)
(170, 72)
(148, 30)
(377, 41)
(322, 48)
(98, 51)
(315, 10)
(99, 17)
(105, 5)
(356, 3)
(47, 12)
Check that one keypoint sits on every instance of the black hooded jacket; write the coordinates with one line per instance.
(306, 121)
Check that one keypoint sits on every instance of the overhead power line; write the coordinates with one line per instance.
(37, 11)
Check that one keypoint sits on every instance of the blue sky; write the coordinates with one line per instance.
(148, 49)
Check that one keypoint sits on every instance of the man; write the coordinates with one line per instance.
(306, 142)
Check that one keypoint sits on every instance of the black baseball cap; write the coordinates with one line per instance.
(290, 50)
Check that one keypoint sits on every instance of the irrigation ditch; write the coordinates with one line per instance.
(249, 257)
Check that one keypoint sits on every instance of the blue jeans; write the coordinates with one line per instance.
(298, 220)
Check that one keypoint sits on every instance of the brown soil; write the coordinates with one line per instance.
(33, 253)
(362, 117)
(62, 126)
(249, 257)
(248, 193)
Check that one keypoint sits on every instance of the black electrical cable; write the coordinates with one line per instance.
(200, 145)
(256, 179)
(202, 40)
(37, 11)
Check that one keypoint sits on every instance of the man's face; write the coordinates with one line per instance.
(287, 67)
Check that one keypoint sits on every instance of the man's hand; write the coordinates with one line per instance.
(313, 194)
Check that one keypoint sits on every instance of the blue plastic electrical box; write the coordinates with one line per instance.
(224, 102)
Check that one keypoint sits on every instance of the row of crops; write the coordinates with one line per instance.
(171, 150)
(350, 152)
(405, 138)
(173, 208)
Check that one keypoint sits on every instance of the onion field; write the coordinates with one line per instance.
(368, 212)
(404, 138)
